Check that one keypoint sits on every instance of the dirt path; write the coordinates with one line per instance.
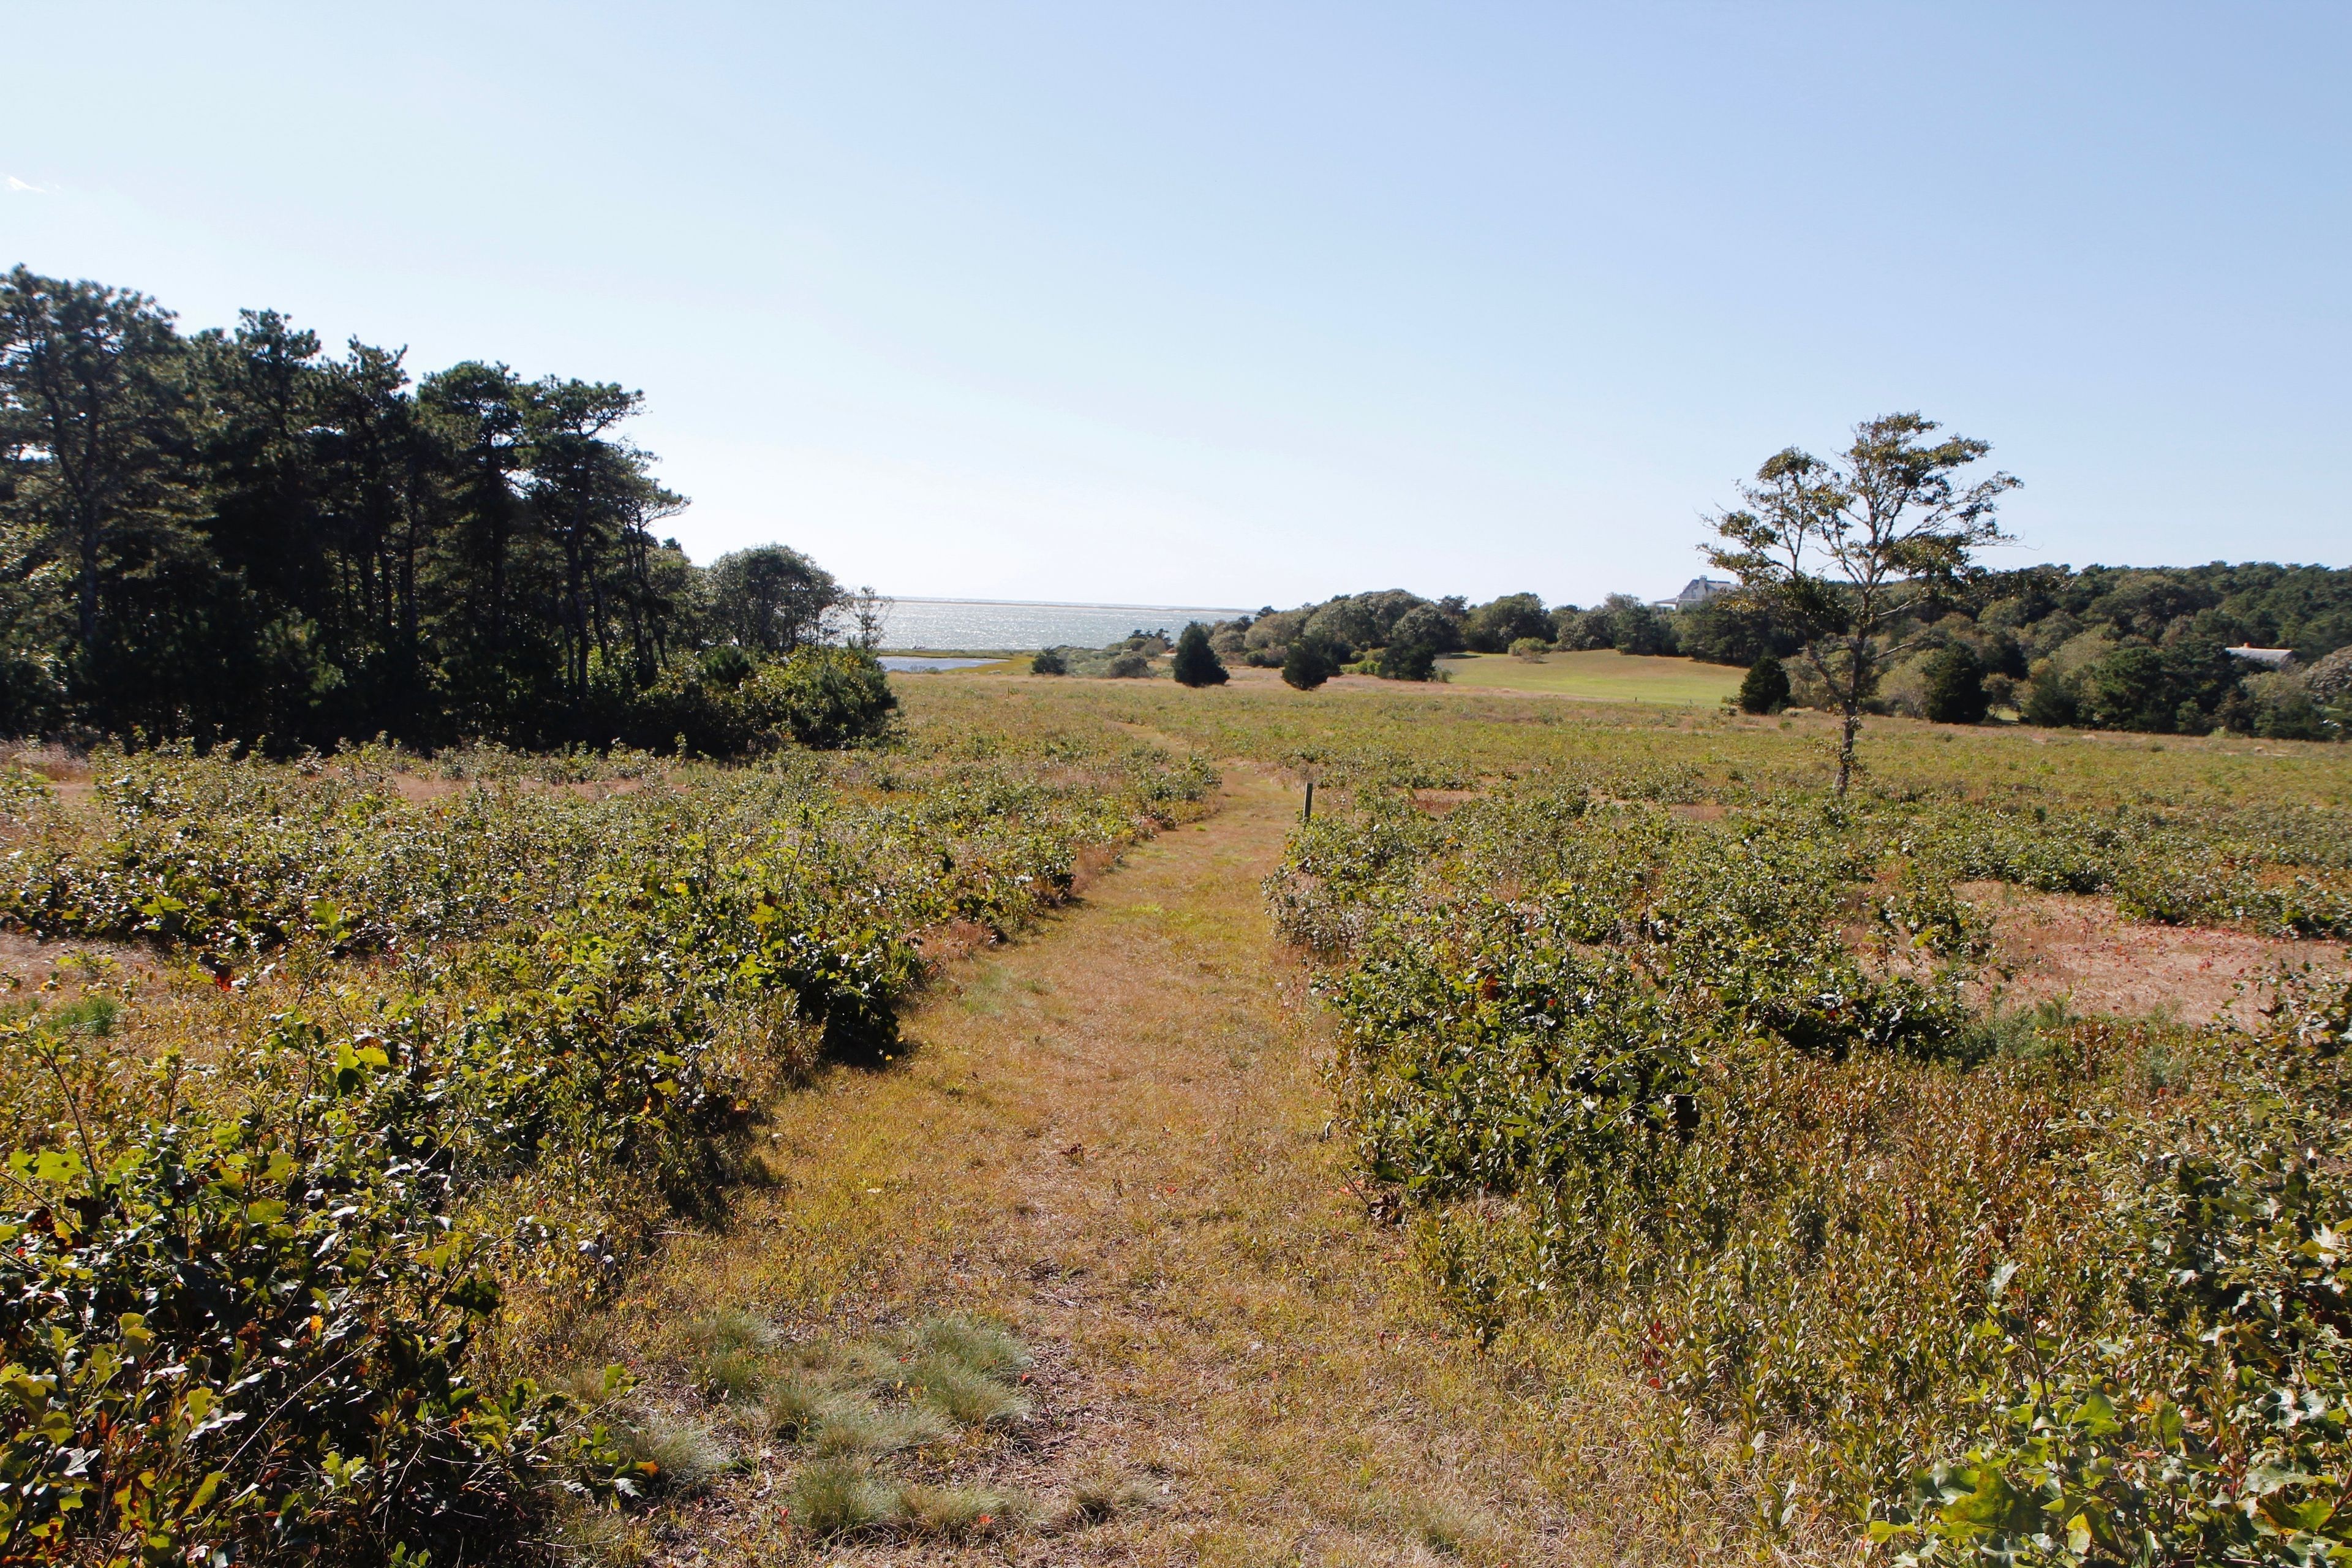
(1111, 1136)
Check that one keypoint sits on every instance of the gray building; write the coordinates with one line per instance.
(1698, 591)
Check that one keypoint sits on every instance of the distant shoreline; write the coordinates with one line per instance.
(1061, 604)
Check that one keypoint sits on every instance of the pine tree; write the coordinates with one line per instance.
(1309, 664)
(1196, 663)
(1766, 689)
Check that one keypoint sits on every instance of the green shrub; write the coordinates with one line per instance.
(1309, 664)
(823, 696)
(1048, 661)
(254, 1335)
(255, 1323)
(2051, 701)
(1956, 693)
(1406, 661)
(1766, 687)
(1196, 663)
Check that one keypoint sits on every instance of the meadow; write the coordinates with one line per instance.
(337, 1090)
(1601, 675)
(424, 1158)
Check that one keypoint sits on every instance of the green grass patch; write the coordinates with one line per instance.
(1601, 675)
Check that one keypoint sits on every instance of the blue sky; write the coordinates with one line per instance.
(1233, 304)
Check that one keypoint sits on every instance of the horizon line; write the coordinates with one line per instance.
(1058, 604)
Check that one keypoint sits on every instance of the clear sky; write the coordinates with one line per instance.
(1238, 303)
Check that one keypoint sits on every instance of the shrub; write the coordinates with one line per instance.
(1955, 686)
(1406, 661)
(1131, 665)
(2051, 701)
(1196, 663)
(1531, 649)
(1430, 627)
(1578, 631)
(1766, 687)
(255, 1333)
(1636, 627)
(1048, 661)
(1309, 662)
(823, 696)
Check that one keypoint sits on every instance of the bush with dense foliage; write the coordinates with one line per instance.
(1765, 689)
(1495, 625)
(1955, 683)
(1195, 662)
(1406, 661)
(1309, 663)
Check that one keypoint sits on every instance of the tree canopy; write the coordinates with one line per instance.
(240, 535)
(1847, 554)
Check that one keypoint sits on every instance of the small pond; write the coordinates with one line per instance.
(909, 664)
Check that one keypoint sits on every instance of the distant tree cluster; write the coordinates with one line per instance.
(237, 535)
(2117, 647)
(1869, 562)
(1399, 636)
(2113, 647)
(1129, 658)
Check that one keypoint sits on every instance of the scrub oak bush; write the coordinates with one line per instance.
(259, 1275)
(1727, 1094)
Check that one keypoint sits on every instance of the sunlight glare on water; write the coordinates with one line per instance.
(1014, 627)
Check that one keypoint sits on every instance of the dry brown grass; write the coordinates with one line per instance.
(2056, 946)
(1113, 1138)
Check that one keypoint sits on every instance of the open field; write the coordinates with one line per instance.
(1026, 1142)
(1601, 675)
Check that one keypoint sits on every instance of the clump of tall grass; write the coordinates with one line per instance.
(732, 1351)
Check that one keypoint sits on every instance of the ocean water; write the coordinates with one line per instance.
(1015, 627)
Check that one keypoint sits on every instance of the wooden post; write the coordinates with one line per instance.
(1310, 815)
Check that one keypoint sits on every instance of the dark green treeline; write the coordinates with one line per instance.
(237, 535)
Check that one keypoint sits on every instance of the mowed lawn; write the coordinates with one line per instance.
(1602, 675)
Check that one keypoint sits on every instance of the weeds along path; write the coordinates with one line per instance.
(1111, 1136)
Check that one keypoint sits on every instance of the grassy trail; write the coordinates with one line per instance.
(1112, 1136)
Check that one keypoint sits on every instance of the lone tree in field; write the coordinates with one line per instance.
(1309, 664)
(1766, 689)
(1846, 553)
(1956, 693)
(1196, 663)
